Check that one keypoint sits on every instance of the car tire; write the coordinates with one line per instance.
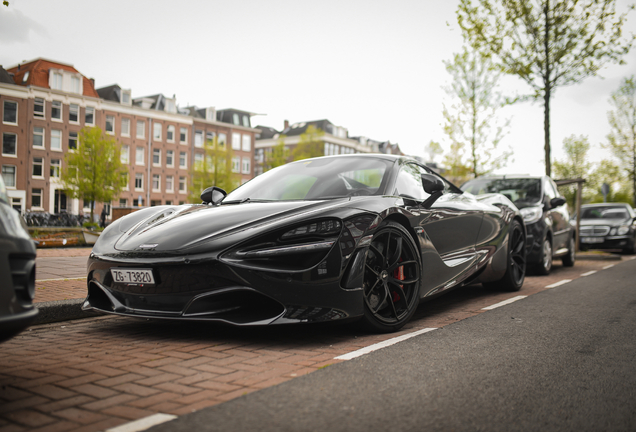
(515, 274)
(544, 265)
(569, 259)
(630, 249)
(391, 285)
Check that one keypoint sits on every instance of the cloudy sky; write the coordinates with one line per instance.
(372, 66)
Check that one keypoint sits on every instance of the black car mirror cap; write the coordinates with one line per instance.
(557, 202)
(432, 183)
(213, 195)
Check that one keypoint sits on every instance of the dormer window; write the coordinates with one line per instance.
(171, 106)
(75, 85)
(125, 97)
(210, 114)
(56, 81)
(25, 77)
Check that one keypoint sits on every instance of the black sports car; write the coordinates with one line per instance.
(17, 271)
(330, 238)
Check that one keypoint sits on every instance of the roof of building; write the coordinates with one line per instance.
(301, 127)
(5, 77)
(36, 73)
(110, 93)
(266, 132)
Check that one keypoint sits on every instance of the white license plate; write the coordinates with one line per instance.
(592, 239)
(132, 276)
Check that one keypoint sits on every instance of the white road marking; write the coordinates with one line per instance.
(559, 283)
(60, 279)
(608, 266)
(143, 423)
(380, 345)
(503, 303)
(589, 273)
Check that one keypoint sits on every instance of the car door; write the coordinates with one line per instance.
(559, 215)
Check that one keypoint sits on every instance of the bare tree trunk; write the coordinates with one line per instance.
(548, 90)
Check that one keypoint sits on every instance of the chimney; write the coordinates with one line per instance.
(286, 125)
(92, 80)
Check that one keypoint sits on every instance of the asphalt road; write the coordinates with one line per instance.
(561, 360)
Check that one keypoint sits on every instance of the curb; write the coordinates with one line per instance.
(598, 257)
(61, 310)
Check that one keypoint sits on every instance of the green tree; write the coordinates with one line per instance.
(432, 150)
(214, 169)
(471, 119)
(546, 43)
(278, 155)
(608, 172)
(622, 139)
(456, 170)
(310, 144)
(93, 172)
(575, 166)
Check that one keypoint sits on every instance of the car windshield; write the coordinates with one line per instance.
(313, 179)
(604, 213)
(518, 190)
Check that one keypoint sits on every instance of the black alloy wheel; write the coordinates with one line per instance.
(569, 259)
(391, 279)
(516, 260)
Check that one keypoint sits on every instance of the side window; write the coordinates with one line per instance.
(409, 182)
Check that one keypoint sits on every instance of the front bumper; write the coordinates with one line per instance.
(606, 242)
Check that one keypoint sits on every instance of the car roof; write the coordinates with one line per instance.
(612, 204)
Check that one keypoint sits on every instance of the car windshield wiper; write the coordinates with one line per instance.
(241, 201)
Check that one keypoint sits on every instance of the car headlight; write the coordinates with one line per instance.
(321, 228)
(624, 229)
(531, 214)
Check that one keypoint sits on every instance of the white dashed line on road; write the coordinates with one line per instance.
(589, 273)
(380, 345)
(503, 303)
(559, 283)
(143, 423)
(608, 266)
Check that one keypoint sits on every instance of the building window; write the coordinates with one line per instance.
(56, 167)
(246, 168)
(183, 135)
(38, 137)
(183, 185)
(56, 110)
(125, 97)
(8, 175)
(198, 161)
(235, 119)
(169, 183)
(9, 144)
(156, 183)
(37, 167)
(89, 116)
(75, 85)
(72, 140)
(36, 198)
(139, 182)
(183, 161)
(246, 121)
(156, 157)
(125, 180)
(125, 127)
(156, 131)
(123, 202)
(222, 141)
(236, 141)
(110, 124)
(56, 140)
(209, 137)
(125, 154)
(170, 133)
(170, 158)
(38, 108)
(198, 139)
(139, 156)
(141, 129)
(56, 81)
(10, 113)
(236, 164)
(73, 113)
(246, 144)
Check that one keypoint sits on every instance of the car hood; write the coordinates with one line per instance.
(605, 222)
(182, 227)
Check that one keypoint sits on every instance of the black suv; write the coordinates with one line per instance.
(550, 233)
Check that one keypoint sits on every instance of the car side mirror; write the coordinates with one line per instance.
(557, 202)
(432, 183)
(213, 195)
(434, 186)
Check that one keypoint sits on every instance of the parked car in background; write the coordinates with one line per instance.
(544, 210)
(608, 226)
(17, 271)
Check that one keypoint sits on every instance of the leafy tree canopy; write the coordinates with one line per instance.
(93, 171)
(278, 155)
(213, 169)
(310, 144)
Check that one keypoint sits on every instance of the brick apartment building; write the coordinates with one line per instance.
(44, 106)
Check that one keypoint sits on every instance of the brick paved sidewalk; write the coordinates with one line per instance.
(48, 288)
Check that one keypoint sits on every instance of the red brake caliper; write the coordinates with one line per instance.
(398, 274)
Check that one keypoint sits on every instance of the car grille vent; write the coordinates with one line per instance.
(594, 231)
(23, 276)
